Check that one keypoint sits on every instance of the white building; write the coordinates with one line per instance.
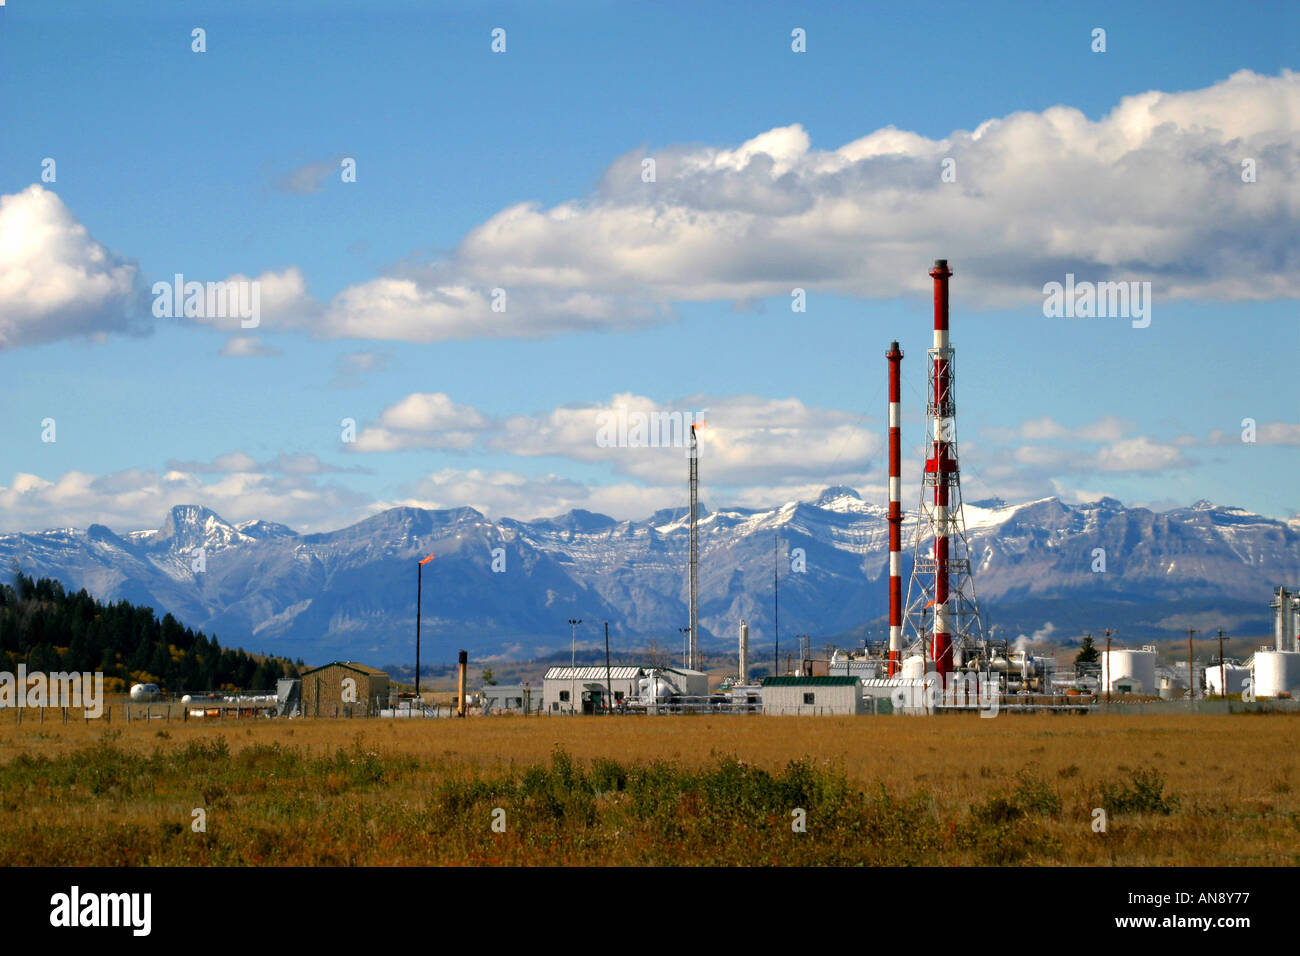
(812, 696)
(582, 690)
(510, 699)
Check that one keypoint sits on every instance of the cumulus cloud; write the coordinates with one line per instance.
(138, 498)
(742, 438)
(423, 420)
(1152, 191)
(56, 281)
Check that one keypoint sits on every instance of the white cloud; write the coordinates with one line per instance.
(423, 420)
(1151, 191)
(247, 346)
(744, 439)
(1266, 433)
(138, 498)
(55, 280)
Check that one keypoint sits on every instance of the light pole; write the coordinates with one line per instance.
(686, 646)
(419, 597)
(573, 656)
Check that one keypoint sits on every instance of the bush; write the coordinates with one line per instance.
(1145, 793)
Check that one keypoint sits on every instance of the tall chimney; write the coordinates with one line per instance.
(943, 465)
(744, 653)
(895, 357)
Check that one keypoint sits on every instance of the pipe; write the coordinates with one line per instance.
(942, 464)
(460, 684)
(895, 357)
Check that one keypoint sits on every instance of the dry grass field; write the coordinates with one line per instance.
(1017, 789)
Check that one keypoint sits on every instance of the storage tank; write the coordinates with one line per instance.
(1276, 673)
(1132, 672)
(144, 691)
(913, 667)
(1233, 674)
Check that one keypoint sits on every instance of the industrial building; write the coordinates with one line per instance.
(343, 689)
(812, 696)
(583, 690)
(511, 699)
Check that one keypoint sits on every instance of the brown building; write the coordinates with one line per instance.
(343, 689)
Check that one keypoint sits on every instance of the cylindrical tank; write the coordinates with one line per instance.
(1171, 687)
(1135, 670)
(1276, 673)
(914, 667)
(1233, 675)
(144, 691)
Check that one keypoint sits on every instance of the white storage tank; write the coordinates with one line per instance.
(913, 667)
(1276, 673)
(1233, 675)
(1128, 672)
(144, 691)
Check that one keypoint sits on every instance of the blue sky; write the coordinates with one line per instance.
(203, 164)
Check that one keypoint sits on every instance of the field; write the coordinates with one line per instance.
(1017, 789)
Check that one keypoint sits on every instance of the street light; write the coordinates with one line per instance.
(573, 655)
(419, 595)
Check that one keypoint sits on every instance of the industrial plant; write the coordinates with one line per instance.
(938, 656)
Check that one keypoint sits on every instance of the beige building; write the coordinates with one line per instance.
(343, 689)
(812, 696)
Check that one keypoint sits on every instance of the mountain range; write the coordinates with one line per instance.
(507, 587)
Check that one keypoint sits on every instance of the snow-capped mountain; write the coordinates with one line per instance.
(510, 586)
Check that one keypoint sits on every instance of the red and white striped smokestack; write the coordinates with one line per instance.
(895, 357)
(942, 464)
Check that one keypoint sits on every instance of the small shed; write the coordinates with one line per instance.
(812, 696)
(343, 689)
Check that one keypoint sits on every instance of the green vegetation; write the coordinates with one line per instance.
(50, 629)
(279, 805)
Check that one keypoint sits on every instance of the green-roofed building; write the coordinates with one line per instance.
(812, 696)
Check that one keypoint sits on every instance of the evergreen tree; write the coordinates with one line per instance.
(1087, 652)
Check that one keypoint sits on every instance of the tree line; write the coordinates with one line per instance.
(51, 629)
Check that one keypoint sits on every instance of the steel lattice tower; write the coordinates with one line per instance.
(941, 605)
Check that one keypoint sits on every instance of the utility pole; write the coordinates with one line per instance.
(776, 599)
(609, 691)
(1109, 672)
(573, 656)
(1191, 667)
(1223, 669)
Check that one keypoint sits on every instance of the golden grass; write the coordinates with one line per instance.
(1234, 777)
